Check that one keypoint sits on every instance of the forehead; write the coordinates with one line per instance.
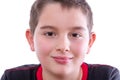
(54, 14)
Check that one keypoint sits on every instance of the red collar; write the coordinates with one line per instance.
(84, 68)
(85, 71)
(39, 73)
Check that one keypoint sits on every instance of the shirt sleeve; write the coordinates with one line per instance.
(114, 74)
(4, 77)
(103, 72)
(24, 72)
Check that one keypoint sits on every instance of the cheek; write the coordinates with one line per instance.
(42, 47)
(79, 51)
(80, 48)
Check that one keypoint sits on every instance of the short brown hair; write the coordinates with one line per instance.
(38, 5)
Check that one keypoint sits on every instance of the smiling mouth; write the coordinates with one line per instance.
(62, 60)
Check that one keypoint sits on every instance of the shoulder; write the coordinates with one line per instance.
(23, 68)
(103, 72)
(23, 72)
(100, 67)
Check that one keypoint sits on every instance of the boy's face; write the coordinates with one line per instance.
(61, 39)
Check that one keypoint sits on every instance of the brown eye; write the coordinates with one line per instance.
(75, 35)
(51, 34)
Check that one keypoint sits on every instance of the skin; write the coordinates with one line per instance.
(61, 40)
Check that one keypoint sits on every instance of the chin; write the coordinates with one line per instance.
(62, 70)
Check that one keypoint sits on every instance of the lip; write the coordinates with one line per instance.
(62, 60)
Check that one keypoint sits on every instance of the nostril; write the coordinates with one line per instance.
(63, 49)
(63, 44)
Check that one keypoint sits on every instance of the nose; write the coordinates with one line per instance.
(63, 44)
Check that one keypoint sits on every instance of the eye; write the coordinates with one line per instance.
(50, 34)
(76, 35)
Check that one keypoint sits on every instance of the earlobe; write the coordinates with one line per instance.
(91, 41)
(29, 37)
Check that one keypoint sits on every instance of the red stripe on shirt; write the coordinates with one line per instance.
(39, 73)
(84, 69)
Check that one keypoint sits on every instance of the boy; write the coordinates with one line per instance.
(61, 34)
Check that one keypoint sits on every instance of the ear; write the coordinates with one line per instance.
(91, 41)
(29, 37)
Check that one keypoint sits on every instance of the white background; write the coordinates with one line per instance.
(14, 20)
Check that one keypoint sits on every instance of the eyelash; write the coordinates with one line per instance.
(50, 34)
(53, 34)
(75, 35)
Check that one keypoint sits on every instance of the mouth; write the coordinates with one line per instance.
(62, 60)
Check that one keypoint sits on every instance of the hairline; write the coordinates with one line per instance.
(63, 6)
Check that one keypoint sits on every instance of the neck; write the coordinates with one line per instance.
(76, 75)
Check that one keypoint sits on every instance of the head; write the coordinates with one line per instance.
(39, 5)
(60, 34)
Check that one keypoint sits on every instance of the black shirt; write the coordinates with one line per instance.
(95, 72)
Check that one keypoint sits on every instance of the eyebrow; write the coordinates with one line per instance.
(79, 28)
(72, 28)
(47, 27)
